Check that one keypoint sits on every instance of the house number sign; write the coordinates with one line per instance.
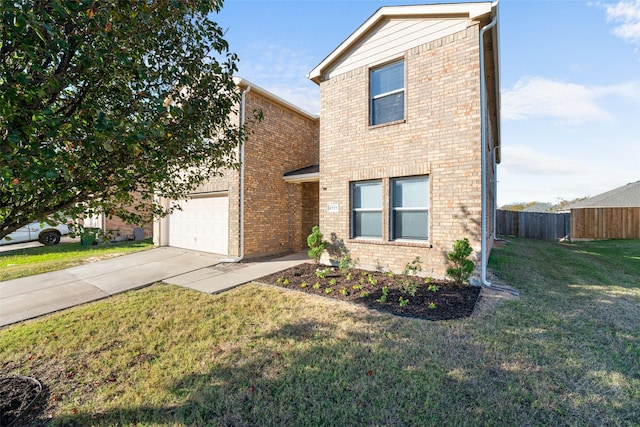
(332, 207)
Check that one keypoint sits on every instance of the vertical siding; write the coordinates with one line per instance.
(605, 223)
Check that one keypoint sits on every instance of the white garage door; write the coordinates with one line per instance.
(201, 225)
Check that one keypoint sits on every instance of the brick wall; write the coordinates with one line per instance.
(119, 229)
(310, 210)
(440, 137)
(277, 212)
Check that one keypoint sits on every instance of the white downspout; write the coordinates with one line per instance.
(483, 138)
(243, 119)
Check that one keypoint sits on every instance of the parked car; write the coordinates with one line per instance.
(44, 233)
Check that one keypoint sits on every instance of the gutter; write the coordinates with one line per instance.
(243, 119)
(483, 139)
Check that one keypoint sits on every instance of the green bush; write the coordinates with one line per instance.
(317, 245)
(462, 266)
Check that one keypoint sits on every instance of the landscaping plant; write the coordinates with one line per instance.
(462, 266)
(317, 245)
(346, 263)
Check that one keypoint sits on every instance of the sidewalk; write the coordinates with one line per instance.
(34, 296)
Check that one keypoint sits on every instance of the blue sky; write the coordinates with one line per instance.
(570, 82)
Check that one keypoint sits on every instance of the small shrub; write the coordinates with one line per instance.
(346, 263)
(410, 287)
(462, 266)
(303, 284)
(328, 290)
(322, 273)
(385, 293)
(316, 285)
(344, 292)
(412, 268)
(316, 244)
(333, 282)
(403, 301)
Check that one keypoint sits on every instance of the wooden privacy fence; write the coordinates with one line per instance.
(605, 223)
(533, 225)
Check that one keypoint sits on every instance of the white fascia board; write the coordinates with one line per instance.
(307, 177)
(244, 83)
(467, 10)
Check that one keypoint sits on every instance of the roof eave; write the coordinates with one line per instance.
(298, 179)
(466, 10)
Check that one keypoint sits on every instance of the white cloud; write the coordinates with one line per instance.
(541, 97)
(269, 65)
(524, 160)
(570, 102)
(626, 16)
(305, 95)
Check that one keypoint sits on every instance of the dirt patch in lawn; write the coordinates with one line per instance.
(402, 295)
(16, 396)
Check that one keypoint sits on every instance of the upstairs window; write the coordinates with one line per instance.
(386, 92)
(366, 209)
(410, 208)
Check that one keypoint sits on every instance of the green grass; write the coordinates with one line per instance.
(42, 259)
(566, 353)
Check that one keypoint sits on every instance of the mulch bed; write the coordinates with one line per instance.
(435, 300)
(16, 396)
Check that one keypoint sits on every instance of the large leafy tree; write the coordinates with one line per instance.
(103, 99)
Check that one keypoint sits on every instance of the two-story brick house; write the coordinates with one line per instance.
(407, 144)
(409, 114)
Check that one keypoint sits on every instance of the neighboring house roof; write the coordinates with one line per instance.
(306, 174)
(244, 83)
(453, 11)
(539, 207)
(621, 197)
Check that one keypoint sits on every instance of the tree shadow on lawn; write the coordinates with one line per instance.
(567, 352)
(374, 369)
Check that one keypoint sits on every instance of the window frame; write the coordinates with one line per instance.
(392, 92)
(393, 209)
(354, 210)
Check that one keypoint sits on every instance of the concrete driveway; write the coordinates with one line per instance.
(33, 296)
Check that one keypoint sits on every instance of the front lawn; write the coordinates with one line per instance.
(42, 259)
(566, 353)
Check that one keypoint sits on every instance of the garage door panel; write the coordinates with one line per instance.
(202, 225)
